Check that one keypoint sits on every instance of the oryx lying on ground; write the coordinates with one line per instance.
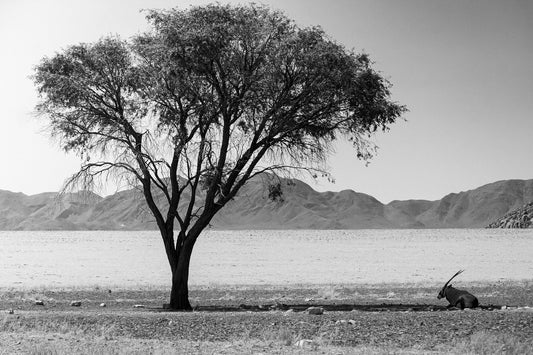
(458, 298)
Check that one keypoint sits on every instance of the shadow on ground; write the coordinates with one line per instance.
(384, 307)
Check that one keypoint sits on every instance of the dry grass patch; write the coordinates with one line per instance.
(488, 343)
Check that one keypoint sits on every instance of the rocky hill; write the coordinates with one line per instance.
(301, 207)
(520, 218)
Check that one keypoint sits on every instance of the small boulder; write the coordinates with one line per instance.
(103, 305)
(315, 310)
(138, 306)
(10, 311)
(75, 304)
(39, 303)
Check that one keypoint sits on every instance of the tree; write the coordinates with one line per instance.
(209, 98)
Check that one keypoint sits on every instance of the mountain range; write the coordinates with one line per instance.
(300, 207)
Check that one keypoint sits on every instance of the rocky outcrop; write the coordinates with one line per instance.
(519, 218)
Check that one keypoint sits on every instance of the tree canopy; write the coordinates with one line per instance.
(207, 99)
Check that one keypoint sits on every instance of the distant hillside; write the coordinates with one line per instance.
(477, 208)
(301, 207)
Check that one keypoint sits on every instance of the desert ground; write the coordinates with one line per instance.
(357, 319)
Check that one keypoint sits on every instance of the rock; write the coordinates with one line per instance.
(39, 303)
(504, 308)
(520, 218)
(346, 322)
(138, 306)
(304, 343)
(103, 305)
(75, 304)
(10, 311)
(315, 310)
(309, 300)
(289, 311)
(278, 306)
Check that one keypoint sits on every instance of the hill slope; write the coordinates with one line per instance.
(301, 207)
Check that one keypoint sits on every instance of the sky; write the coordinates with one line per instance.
(462, 67)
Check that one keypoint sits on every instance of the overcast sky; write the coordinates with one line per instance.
(463, 68)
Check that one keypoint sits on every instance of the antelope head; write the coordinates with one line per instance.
(442, 292)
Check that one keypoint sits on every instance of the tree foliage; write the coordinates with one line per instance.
(209, 98)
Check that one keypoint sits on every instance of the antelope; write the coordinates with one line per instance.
(458, 298)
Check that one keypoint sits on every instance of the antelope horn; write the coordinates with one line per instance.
(457, 273)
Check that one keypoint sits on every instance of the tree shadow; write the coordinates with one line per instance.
(383, 307)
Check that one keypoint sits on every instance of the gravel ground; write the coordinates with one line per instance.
(407, 317)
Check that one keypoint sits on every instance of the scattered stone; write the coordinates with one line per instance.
(315, 310)
(352, 322)
(75, 304)
(138, 306)
(504, 308)
(108, 291)
(289, 311)
(39, 303)
(309, 300)
(10, 311)
(103, 305)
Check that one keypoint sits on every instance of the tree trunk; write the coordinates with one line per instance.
(179, 295)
